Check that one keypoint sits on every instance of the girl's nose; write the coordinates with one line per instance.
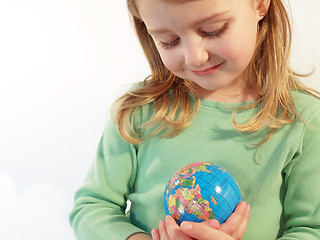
(195, 55)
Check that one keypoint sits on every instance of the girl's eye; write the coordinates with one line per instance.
(168, 45)
(215, 34)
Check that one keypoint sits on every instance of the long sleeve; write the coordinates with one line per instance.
(280, 180)
(302, 180)
(100, 203)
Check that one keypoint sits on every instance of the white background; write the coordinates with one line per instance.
(62, 63)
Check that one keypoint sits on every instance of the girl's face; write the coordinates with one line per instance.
(209, 42)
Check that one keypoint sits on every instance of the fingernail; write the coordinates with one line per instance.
(153, 234)
(248, 208)
(242, 206)
(161, 223)
(186, 225)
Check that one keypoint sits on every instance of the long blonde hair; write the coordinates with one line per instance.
(269, 70)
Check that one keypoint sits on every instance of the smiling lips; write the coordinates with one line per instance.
(207, 71)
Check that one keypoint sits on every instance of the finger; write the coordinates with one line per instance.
(237, 223)
(155, 234)
(213, 223)
(203, 231)
(163, 231)
(173, 230)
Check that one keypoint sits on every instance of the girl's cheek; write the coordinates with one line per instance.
(238, 49)
(171, 61)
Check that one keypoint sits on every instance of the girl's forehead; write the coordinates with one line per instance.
(158, 15)
(201, 5)
(178, 1)
(168, 3)
(185, 1)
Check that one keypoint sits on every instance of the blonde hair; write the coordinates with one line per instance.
(171, 96)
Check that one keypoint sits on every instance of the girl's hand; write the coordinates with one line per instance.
(169, 230)
(233, 228)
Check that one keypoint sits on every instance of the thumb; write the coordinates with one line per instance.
(214, 223)
(201, 231)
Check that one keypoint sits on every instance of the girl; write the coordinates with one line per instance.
(221, 90)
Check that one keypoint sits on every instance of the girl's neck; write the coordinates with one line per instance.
(245, 95)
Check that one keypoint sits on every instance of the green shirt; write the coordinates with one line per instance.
(279, 179)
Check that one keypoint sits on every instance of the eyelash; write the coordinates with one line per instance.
(215, 34)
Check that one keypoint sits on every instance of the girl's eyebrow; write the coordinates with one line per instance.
(198, 22)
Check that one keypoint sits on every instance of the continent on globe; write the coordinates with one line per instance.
(201, 191)
(190, 201)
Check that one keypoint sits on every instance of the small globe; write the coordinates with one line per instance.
(201, 191)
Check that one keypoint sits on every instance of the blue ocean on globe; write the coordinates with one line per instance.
(201, 191)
